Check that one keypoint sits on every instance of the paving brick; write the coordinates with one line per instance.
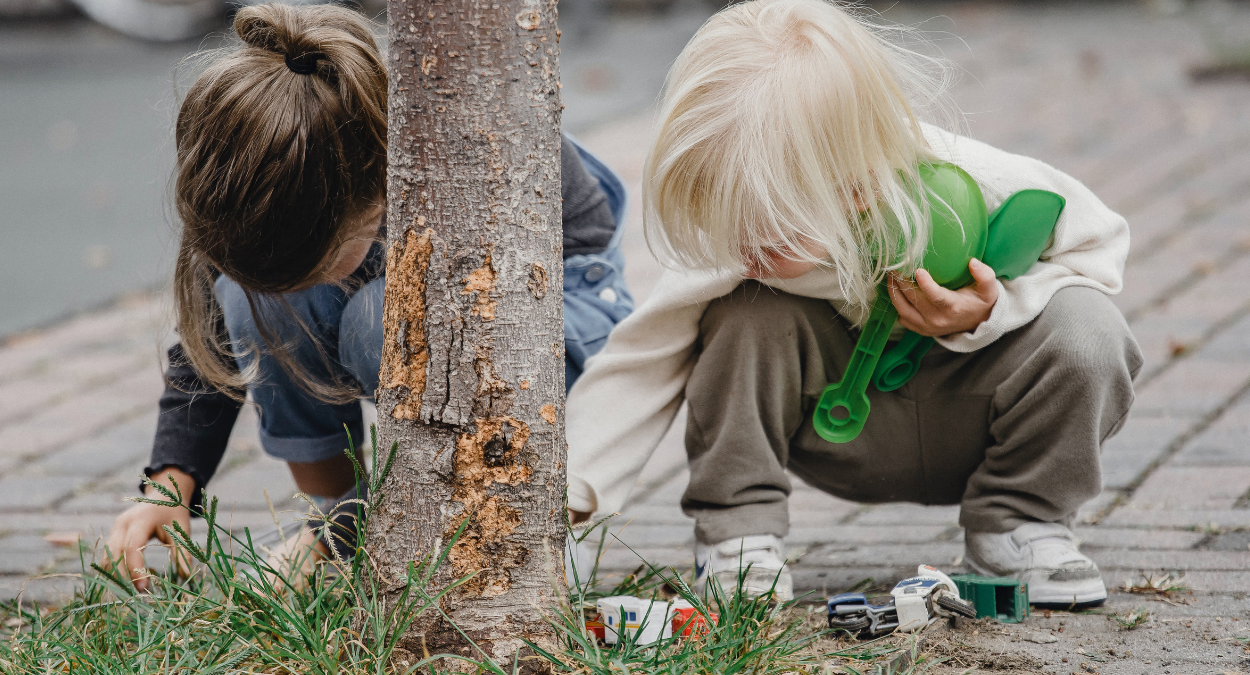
(908, 514)
(1214, 448)
(1195, 518)
(1094, 509)
(1133, 559)
(1182, 321)
(1225, 582)
(1237, 540)
(112, 501)
(28, 493)
(126, 444)
(144, 318)
(26, 542)
(1128, 538)
(654, 514)
(618, 558)
(822, 582)
(939, 554)
(1192, 388)
(1232, 345)
(43, 523)
(244, 486)
(77, 418)
(653, 536)
(25, 396)
(1141, 442)
(1191, 488)
(843, 537)
(46, 591)
(25, 562)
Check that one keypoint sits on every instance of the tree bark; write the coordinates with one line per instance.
(472, 381)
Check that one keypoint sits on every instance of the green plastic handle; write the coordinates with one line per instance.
(900, 364)
(957, 233)
(1019, 230)
(843, 407)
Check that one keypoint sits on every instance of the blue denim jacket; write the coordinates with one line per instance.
(595, 295)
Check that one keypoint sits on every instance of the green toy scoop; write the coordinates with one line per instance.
(1010, 240)
(1019, 230)
(958, 233)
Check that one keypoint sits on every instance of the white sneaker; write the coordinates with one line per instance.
(762, 555)
(1043, 555)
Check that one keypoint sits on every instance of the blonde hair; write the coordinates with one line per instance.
(779, 117)
(281, 149)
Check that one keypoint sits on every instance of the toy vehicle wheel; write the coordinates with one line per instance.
(960, 607)
(853, 624)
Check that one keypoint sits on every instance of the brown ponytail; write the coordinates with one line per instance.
(281, 149)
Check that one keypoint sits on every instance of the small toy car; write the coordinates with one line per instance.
(914, 603)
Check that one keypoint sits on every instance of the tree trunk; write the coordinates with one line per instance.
(472, 382)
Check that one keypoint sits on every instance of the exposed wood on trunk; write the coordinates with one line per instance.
(472, 382)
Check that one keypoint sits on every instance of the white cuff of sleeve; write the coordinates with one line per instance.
(990, 330)
(581, 496)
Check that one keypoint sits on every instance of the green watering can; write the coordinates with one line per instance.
(1009, 240)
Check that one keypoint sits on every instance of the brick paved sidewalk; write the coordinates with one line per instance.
(1100, 92)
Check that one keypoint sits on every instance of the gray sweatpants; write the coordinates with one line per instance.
(1010, 432)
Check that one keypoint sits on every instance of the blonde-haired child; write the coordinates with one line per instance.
(779, 188)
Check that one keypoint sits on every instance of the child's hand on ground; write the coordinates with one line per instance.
(927, 308)
(296, 559)
(139, 524)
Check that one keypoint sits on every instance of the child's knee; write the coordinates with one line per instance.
(1088, 338)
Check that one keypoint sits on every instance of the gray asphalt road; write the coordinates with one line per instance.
(86, 147)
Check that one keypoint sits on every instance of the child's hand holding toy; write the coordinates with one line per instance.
(925, 307)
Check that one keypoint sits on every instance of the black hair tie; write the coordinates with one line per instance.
(305, 64)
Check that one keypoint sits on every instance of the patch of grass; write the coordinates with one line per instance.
(238, 614)
(1133, 619)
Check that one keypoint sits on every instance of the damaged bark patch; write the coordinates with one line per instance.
(548, 413)
(538, 280)
(404, 349)
(482, 282)
(490, 455)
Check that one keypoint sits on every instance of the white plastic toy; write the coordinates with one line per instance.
(929, 593)
(647, 621)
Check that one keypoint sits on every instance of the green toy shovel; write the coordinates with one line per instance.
(953, 240)
(1019, 230)
(1009, 241)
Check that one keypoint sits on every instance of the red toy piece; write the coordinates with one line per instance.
(688, 622)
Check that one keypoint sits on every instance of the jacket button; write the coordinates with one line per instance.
(607, 294)
(595, 273)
